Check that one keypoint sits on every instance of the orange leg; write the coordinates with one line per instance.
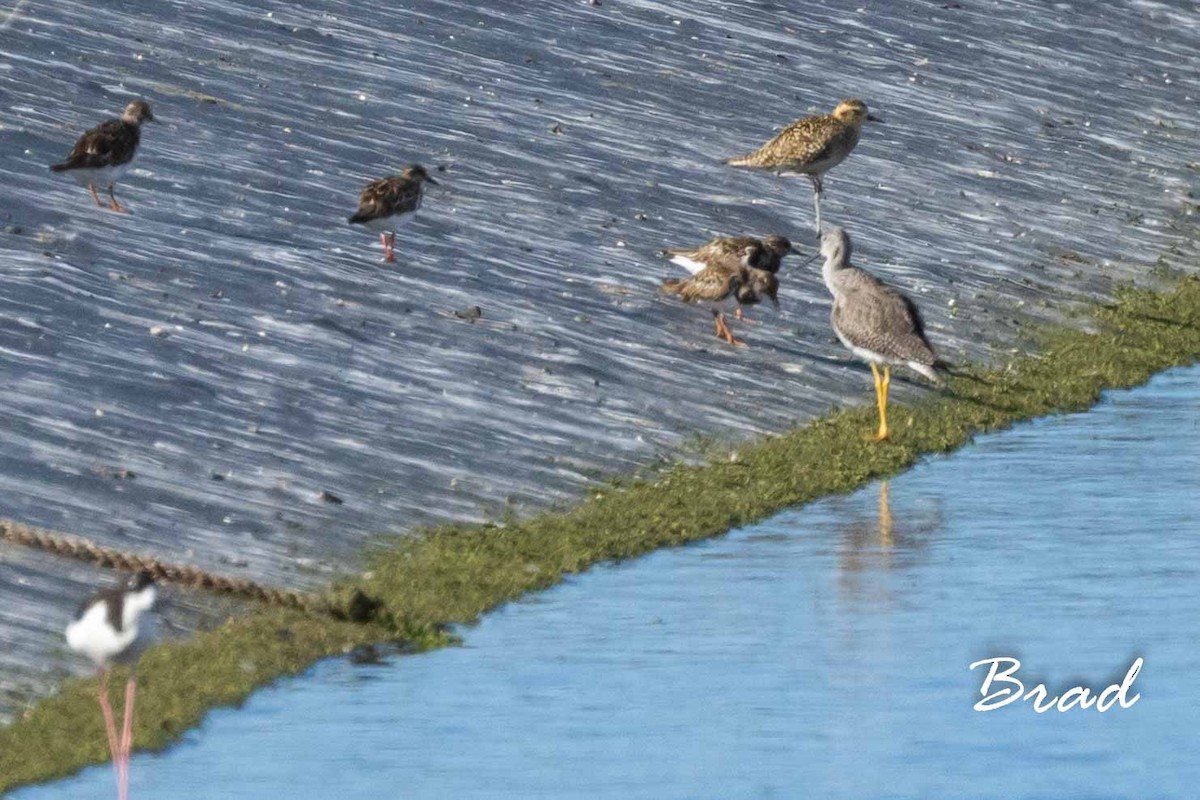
(115, 206)
(724, 332)
(95, 195)
(110, 724)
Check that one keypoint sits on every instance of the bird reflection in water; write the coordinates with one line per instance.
(871, 548)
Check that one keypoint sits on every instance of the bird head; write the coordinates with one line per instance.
(854, 112)
(835, 245)
(138, 112)
(418, 172)
(779, 245)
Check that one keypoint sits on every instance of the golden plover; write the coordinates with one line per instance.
(104, 153)
(875, 321)
(812, 146)
(390, 201)
(724, 278)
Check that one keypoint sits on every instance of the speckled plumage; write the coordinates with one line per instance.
(875, 321)
(388, 201)
(812, 145)
(719, 280)
(764, 254)
(103, 153)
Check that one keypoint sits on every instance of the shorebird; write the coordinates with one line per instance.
(106, 629)
(725, 277)
(104, 153)
(875, 321)
(756, 255)
(390, 201)
(811, 146)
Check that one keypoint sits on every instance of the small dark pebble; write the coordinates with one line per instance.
(557, 128)
(781, 57)
(15, 230)
(216, 476)
(441, 167)
(330, 497)
(218, 294)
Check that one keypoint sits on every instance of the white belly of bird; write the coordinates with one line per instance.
(389, 224)
(690, 265)
(99, 177)
(95, 638)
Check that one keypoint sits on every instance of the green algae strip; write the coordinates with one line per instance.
(452, 575)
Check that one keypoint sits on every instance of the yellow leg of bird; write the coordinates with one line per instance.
(883, 401)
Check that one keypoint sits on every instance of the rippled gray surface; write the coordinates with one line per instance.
(822, 653)
(1033, 154)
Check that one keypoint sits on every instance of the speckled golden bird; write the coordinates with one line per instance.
(812, 146)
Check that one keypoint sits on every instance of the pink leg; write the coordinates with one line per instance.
(110, 725)
(391, 247)
(127, 737)
(383, 241)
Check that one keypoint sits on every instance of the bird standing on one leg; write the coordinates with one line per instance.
(876, 322)
(391, 201)
(105, 152)
(105, 629)
(811, 146)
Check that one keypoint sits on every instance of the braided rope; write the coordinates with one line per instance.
(191, 577)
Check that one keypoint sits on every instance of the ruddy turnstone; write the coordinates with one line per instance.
(104, 153)
(387, 202)
(723, 278)
(875, 321)
(756, 255)
(811, 146)
(105, 629)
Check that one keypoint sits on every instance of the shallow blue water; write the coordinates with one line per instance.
(822, 653)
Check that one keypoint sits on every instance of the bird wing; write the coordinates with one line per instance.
(713, 283)
(109, 144)
(388, 196)
(876, 317)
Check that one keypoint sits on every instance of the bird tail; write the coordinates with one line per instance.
(943, 369)
(358, 218)
(63, 167)
(747, 160)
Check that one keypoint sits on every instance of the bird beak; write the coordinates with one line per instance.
(873, 118)
(811, 259)
(431, 180)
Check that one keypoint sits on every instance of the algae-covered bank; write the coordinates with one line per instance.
(452, 575)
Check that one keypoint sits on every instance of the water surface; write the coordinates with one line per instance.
(821, 653)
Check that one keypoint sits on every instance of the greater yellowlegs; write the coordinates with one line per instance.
(388, 202)
(105, 629)
(875, 321)
(104, 153)
(811, 146)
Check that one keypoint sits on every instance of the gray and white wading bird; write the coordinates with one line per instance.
(876, 322)
(106, 629)
(389, 202)
(104, 153)
(811, 146)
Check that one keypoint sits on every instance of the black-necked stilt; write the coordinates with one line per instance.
(106, 630)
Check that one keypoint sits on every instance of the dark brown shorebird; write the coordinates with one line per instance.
(388, 202)
(875, 322)
(723, 278)
(811, 146)
(106, 629)
(104, 153)
(756, 255)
